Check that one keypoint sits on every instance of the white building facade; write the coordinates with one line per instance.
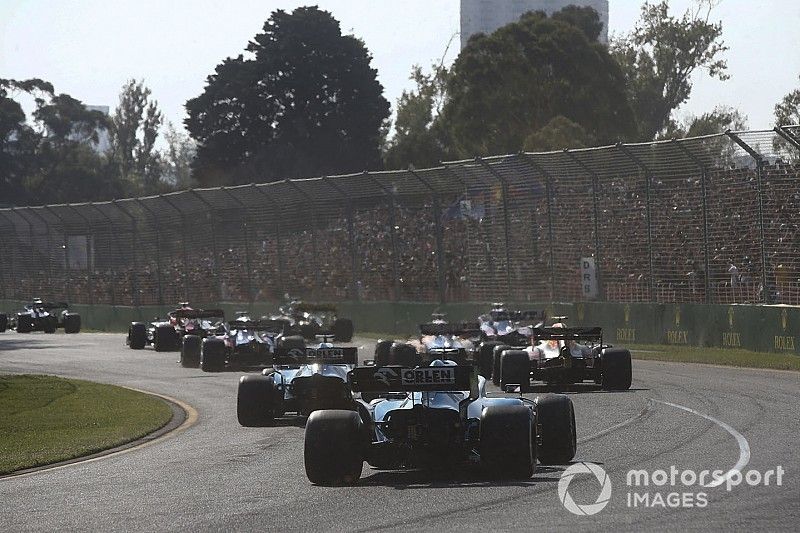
(485, 16)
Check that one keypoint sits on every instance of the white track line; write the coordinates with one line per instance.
(744, 447)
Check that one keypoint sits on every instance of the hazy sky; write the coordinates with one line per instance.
(89, 48)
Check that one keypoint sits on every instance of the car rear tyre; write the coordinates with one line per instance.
(165, 338)
(72, 323)
(3, 322)
(616, 372)
(293, 346)
(383, 352)
(137, 335)
(49, 324)
(486, 358)
(515, 369)
(333, 450)
(24, 323)
(496, 370)
(404, 355)
(212, 355)
(257, 401)
(508, 441)
(555, 419)
(190, 351)
(343, 330)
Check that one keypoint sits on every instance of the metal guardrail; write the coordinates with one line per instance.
(708, 220)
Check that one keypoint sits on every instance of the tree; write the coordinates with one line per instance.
(659, 57)
(178, 158)
(510, 84)
(558, 134)
(305, 101)
(721, 119)
(584, 18)
(787, 111)
(134, 131)
(419, 138)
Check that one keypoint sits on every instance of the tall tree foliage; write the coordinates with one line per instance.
(659, 57)
(787, 111)
(303, 101)
(134, 131)
(512, 83)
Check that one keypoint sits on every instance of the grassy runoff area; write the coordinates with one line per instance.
(683, 354)
(45, 419)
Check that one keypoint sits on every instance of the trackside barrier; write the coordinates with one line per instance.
(760, 328)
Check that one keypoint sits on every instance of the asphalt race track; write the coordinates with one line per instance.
(217, 475)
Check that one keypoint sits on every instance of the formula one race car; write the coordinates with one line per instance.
(501, 327)
(242, 344)
(436, 416)
(310, 320)
(561, 355)
(42, 316)
(299, 382)
(438, 339)
(166, 334)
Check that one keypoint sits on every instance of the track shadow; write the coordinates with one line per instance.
(455, 478)
(36, 341)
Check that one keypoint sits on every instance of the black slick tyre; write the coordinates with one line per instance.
(343, 330)
(72, 323)
(486, 358)
(382, 352)
(164, 338)
(190, 351)
(515, 369)
(555, 420)
(496, 353)
(333, 449)
(404, 355)
(212, 355)
(616, 372)
(256, 401)
(3, 322)
(508, 441)
(24, 323)
(137, 335)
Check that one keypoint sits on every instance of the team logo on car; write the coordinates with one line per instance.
(385, 375)
(429, 375)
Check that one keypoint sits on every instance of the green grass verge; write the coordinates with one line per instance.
(46, 419)
(687, 354)
(715, 356)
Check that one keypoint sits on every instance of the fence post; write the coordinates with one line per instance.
(506, 223)
(596, 212)
(793, 136)
(67, 291)
(116, 245)
(351, 236)
(392, 235)
(437, 213)
(17, 212)
(314, 252)
(6, 246)
(648, 177)
(277, 206)
(154, 222)
(787, 136)
(214, 247)
(767, 295)
(548, 187)
(135, 239)
(49, 248)
(704, 192)
(89, 262)
(183, 242)
(245, 220)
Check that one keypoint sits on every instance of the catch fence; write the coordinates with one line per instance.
(712, 219)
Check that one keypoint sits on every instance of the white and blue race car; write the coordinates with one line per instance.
(436, 415)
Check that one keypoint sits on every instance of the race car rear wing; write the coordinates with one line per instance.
(314, 307)
(461, 329)
(198, 313)
(518, 316)
(325, 356)
(569, 334)
(47, 306)
(272, 326)
(420, 379)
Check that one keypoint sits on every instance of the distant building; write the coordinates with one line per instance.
(485, 16)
